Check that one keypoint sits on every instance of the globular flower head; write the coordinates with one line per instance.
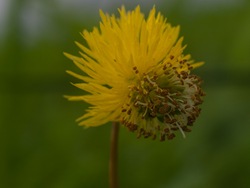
(136, 74)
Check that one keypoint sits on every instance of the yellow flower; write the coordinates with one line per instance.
(136, 74)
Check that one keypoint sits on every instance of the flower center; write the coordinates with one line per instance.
(164, 103)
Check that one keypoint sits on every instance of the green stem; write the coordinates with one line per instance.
(113, 175)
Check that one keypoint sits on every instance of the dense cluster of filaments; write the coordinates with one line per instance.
(164, 103)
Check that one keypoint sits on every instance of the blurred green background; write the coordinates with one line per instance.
(42, 146)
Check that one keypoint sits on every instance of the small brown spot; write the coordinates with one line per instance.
(170, 136)
(162, 110)
(166, 130)
(186, 129)
(152, 114)
(129, 111)
(124, 110)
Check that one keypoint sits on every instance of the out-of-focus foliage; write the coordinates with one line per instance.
(42, 146)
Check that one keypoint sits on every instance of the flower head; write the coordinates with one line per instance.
(136, 74)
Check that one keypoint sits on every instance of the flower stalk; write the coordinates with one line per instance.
(113, 174)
